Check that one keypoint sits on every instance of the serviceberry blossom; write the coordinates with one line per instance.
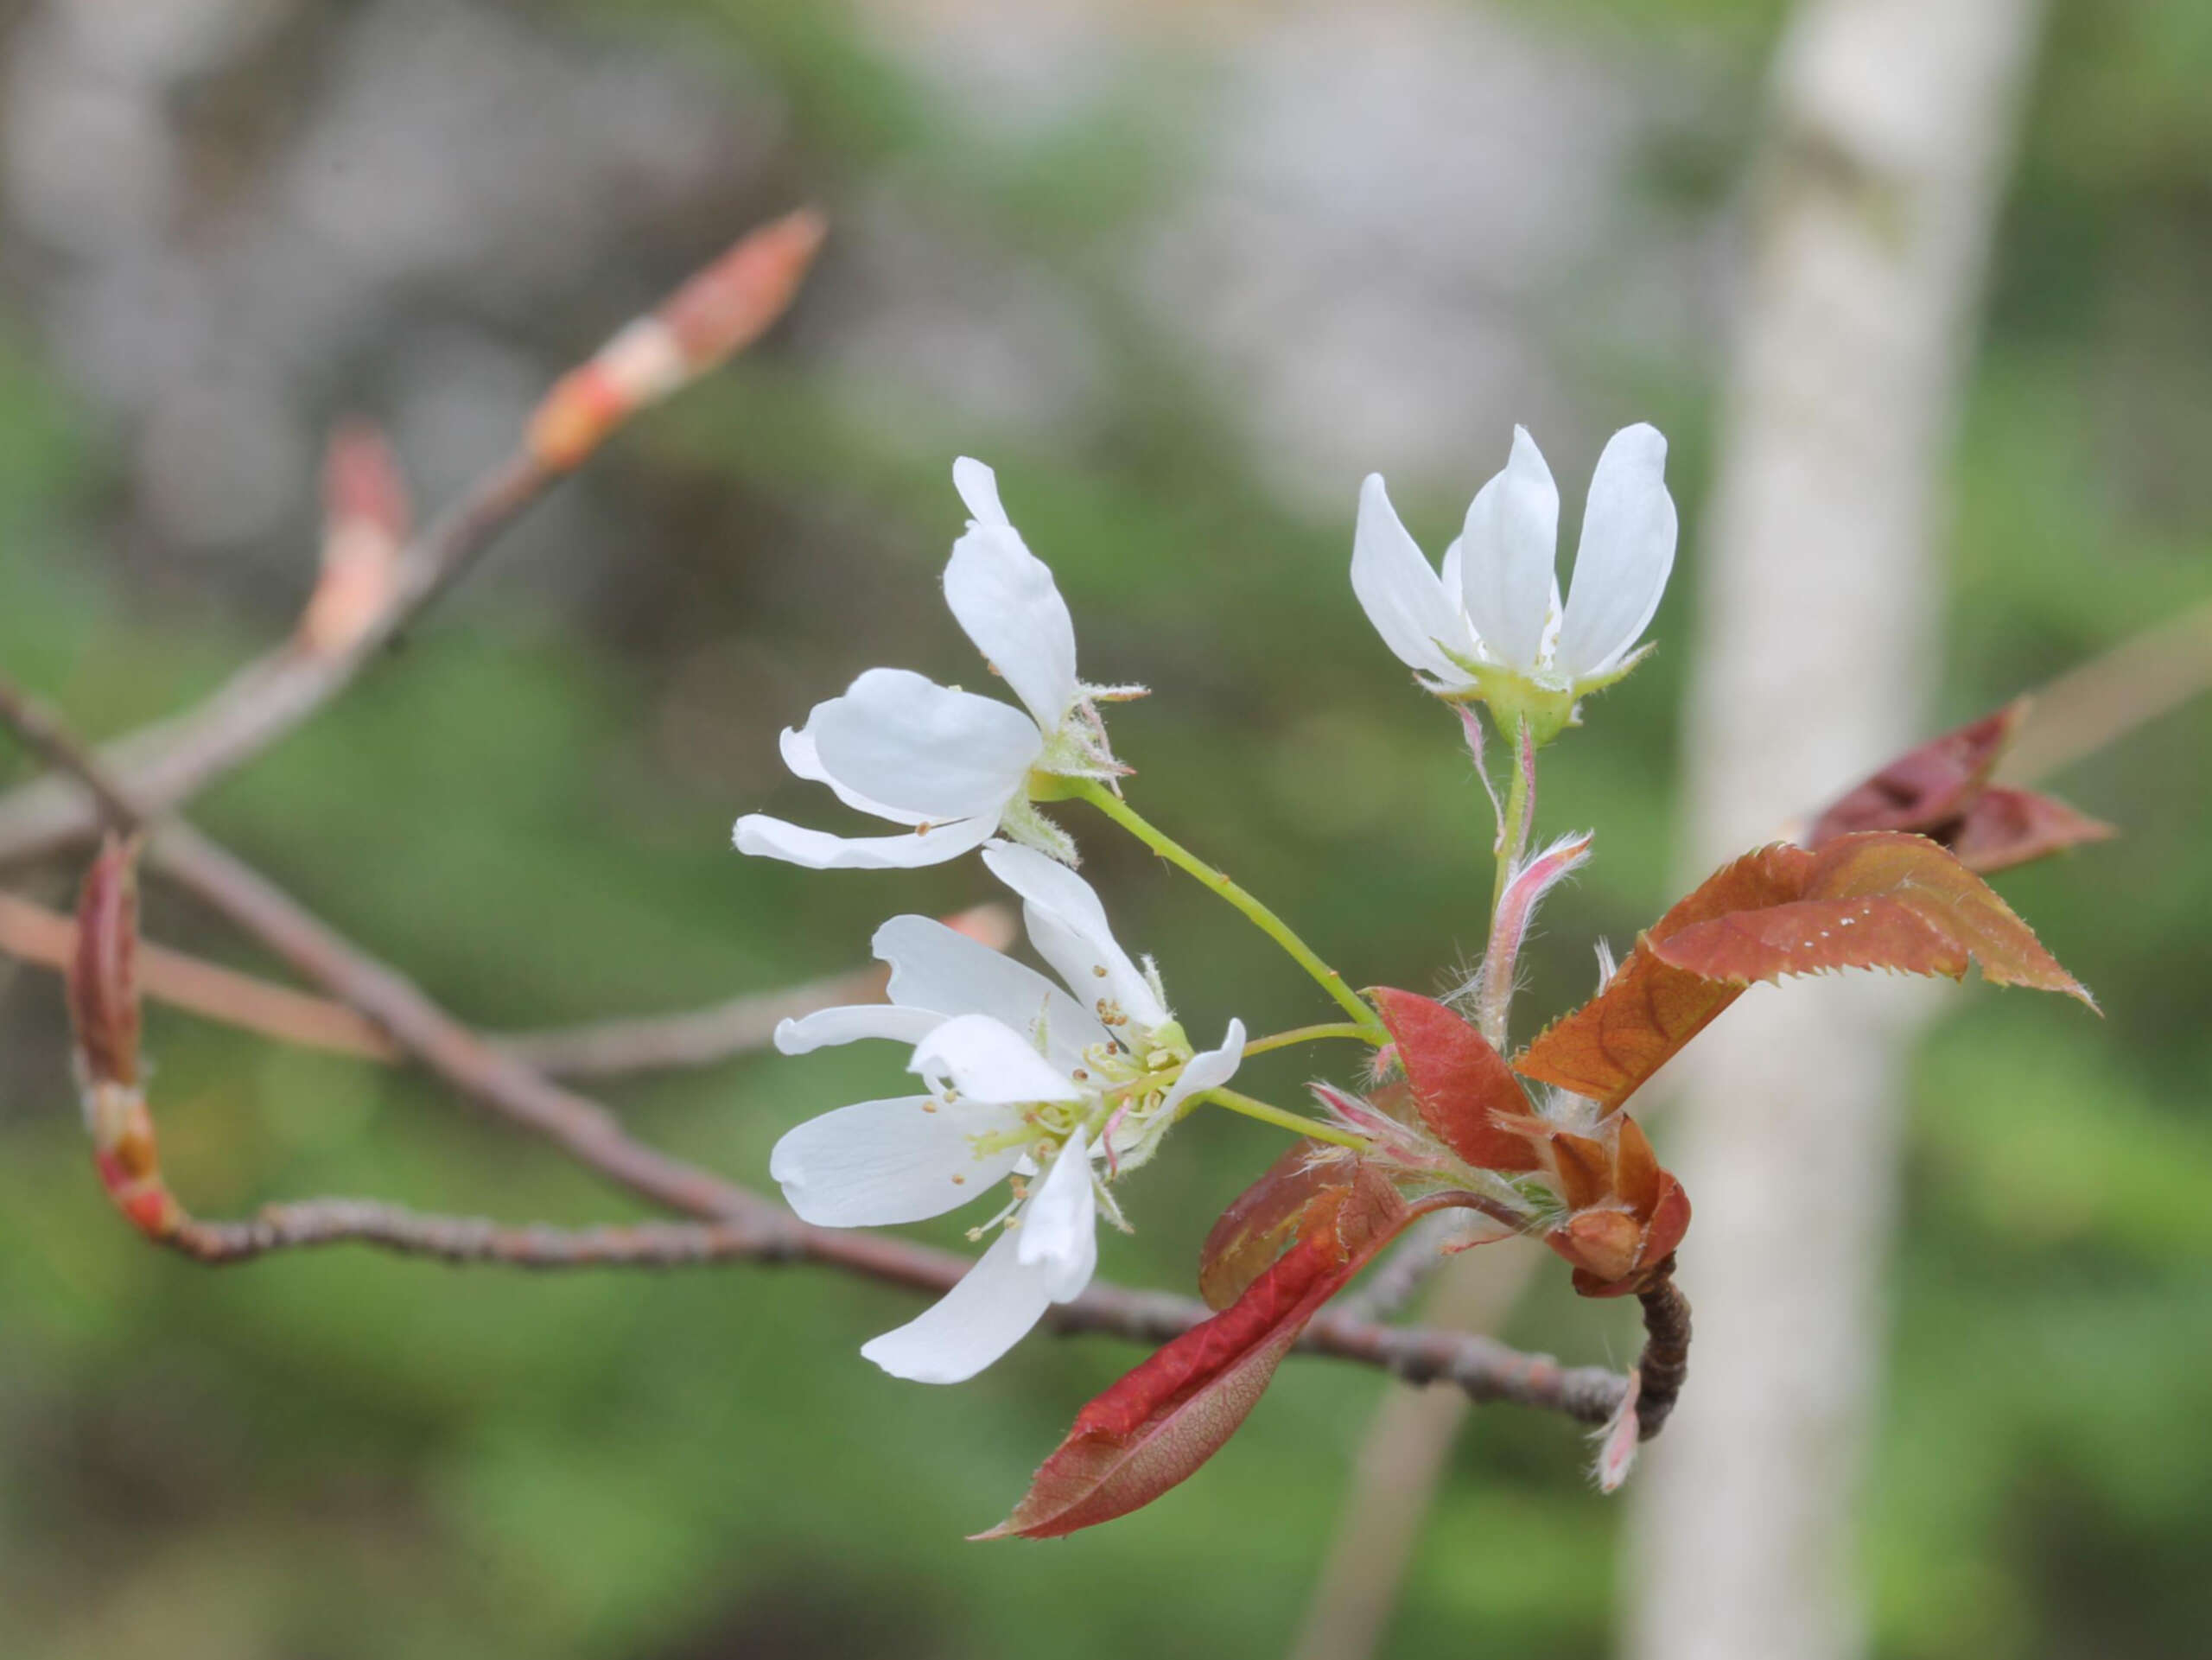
(1491, 627)
(955, 767)
(1055, 1090)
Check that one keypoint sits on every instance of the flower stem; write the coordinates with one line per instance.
(1513, 824)
(1495, 984)
(1259, 916)
(1307, 1034)
(1295, 1123)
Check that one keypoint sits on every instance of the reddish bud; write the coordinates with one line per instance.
(724, 309)
(102, 993)
(103, 983)
(366, 519)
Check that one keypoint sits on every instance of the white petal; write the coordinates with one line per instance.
(972, 1324)
(805, 761)
(882, 1162)
(898, 738)
(1059, 1227)
(979, 489)
(1069, 927)
(825, 1027)
(942, 970)
(1627, 552)
(1004, 596)
(1401, 595)
(773, 838)
(987, 1061)
(1207, 1070)
(1511, 536)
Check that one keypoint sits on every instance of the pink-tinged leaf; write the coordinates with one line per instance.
(1299, 1194)
(1165, 1419)
(2006, 828)
(1880, 899)
(1465, 1092)
(1611, 1046)
(1926, 788)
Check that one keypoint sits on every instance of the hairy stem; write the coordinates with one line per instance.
(1494, 998)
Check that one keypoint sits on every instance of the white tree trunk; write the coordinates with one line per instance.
(1893, 127)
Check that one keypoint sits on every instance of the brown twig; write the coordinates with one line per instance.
(739, 1026)
(161, 766)
(721, 309)
(313, 1223)
(757, 1230)
(1665, 1363)
(2090, 707)
(31, 933)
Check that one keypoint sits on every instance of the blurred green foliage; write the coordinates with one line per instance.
(345, 1455)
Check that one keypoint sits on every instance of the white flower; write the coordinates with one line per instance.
(953, 766)
(1491, 625)
(1029, 1082)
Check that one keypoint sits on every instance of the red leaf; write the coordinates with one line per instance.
(2006, 828)
(1877, 900)
(1942, 790)
(1298, 1193)
(1607, 1048)
(1166, 1418)
(1814, 936)
(1463, 1087)
(1926, 788)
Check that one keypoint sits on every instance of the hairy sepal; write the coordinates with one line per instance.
(1165, 1419)
(1462, 1087)
(1875, 899)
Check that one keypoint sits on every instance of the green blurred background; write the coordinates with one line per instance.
(1182, 274)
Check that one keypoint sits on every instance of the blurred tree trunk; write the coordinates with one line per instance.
(1892, 129)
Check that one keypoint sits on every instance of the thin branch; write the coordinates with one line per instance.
(313, 1223)
(721, 309)
(31, 933)
(1408, 1264)
(161, 766)
(702, 1037)
(2103, 700)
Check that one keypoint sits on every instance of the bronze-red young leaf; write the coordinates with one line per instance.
(1928, 787)
(1166, 1417)
(2004, 828)
(1463, 1088)
(1873, 900)
(1607, 1048)
(1299, 1191)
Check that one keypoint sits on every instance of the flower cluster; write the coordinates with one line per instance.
(1039, 1094)
(1054, 1090)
